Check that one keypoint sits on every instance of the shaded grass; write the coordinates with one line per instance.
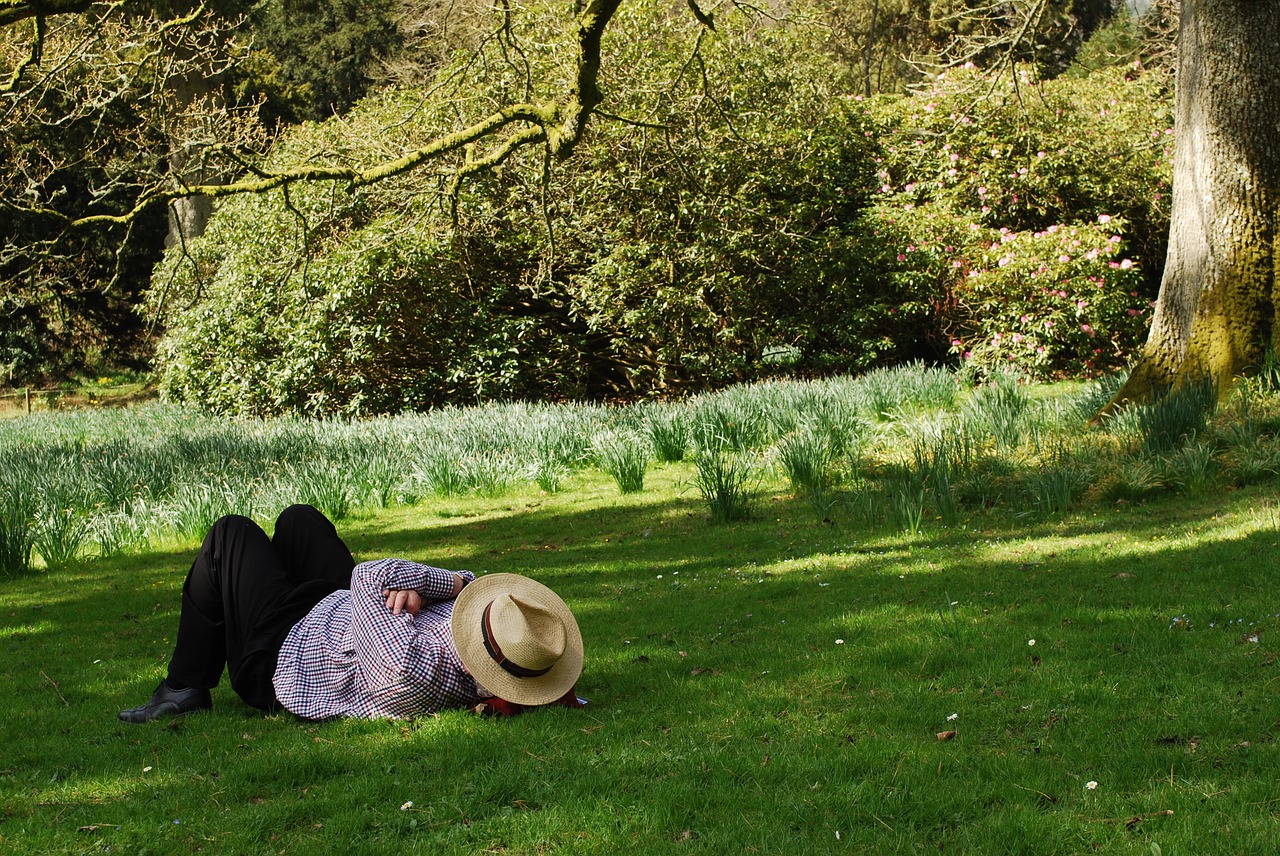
(724, 716)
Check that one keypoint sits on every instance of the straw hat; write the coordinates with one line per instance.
(517, 638)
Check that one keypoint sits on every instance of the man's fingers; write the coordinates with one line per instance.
(402, 600)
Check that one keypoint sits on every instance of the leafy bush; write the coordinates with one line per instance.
(1027, 209)
(685, 251)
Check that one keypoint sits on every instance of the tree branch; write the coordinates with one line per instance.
(558, 124)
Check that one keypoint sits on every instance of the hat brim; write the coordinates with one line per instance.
(468, 612)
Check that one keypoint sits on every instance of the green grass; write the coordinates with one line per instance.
(761, 686)
(774, 684)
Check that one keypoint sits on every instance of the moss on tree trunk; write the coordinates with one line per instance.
(1216, 311)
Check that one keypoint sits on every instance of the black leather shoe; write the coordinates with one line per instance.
(169, 702)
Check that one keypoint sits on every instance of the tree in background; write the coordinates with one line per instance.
(312, 59)
(1216, 313)
(89, 115)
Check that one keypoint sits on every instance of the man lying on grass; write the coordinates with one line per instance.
(297, 624)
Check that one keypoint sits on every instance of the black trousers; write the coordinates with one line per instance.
(245, 591)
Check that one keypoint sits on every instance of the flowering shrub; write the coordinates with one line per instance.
(1032, 210)
(1065, 299)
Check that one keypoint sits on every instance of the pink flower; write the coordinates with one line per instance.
(1104, 218)
(1017, 337)
(1085, 328)
(1025, 318)
(1048, 325)
(1064, 258)
(1126, 264)
(982, 191)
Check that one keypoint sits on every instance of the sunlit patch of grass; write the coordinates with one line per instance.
(761, 685)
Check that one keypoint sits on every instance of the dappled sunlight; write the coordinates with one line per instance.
(16, 631)
(829, 660)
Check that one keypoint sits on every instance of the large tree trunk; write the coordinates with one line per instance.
(1216, 311)
(189, 216)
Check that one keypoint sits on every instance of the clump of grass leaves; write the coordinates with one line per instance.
(1180, 414)
(17, 534)
(624, 455)
(723, 479)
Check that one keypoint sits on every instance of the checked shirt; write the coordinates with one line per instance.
(350, 656)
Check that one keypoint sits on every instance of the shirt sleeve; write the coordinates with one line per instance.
(392, 650)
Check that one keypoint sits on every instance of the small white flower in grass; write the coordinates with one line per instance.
(953, 717)
(1031, 642)
(146, 769)
(407, 805)
(1093, 786)
(659, 576)
(839, 641)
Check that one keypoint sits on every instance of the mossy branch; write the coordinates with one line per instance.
(557, 124)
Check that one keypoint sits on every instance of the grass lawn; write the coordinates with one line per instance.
(778, 685)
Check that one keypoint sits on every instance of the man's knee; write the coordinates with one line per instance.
(226, 525)
(300, 514)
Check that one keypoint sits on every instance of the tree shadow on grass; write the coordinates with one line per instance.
(727, 666)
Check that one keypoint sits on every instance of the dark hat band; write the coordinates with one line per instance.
(495, 652)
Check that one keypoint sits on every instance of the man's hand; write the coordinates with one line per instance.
(403, 600)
